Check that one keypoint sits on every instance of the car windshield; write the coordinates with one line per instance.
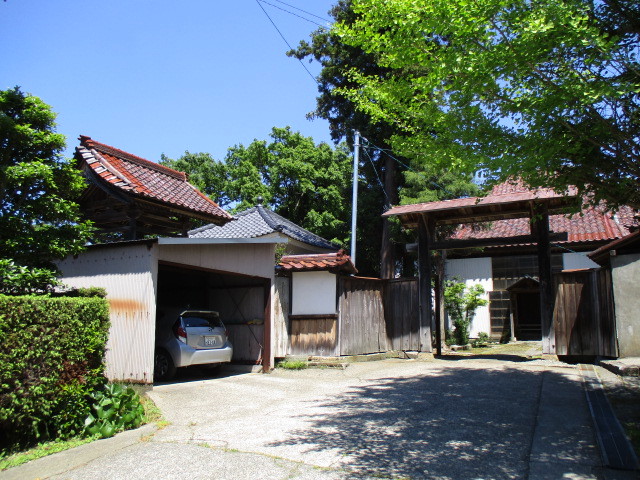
(201, 320)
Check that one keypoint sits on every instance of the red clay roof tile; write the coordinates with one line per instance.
(140, 177)
(333, 262)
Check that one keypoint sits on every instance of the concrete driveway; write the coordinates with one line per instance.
(442, 419)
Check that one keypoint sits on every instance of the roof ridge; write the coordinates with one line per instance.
(265, 213)
(88, 142)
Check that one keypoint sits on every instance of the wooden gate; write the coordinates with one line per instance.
(362, 327)
(583, 315)
(401, 314)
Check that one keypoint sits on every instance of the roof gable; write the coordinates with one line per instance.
(139, 178)
(258, 221)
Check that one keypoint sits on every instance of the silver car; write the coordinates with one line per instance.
(197, 337)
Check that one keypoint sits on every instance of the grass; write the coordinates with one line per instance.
(42, 450)
(152, 415)
(293, 364)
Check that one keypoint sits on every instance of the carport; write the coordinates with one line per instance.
(144, 277)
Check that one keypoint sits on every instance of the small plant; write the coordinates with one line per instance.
(461, 305)
(293, 364)
(481, 341)
(114, 409)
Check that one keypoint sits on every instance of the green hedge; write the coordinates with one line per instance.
(51, 360)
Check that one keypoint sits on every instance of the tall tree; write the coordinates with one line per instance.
(376, 251)
(39, 220)
(304, 182)
(547, 90)
(383, 176)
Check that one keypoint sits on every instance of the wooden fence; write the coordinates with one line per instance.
(583, 315)
(373, 316)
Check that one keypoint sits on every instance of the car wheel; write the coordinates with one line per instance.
(163, 366)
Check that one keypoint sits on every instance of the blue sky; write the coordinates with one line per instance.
(153, 77)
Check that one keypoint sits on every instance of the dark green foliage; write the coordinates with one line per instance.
(19, 280)
(39, 219)
(51, 359)
(306, 183)
(114, 409)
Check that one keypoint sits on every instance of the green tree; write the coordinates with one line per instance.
(39, 220)
(548, 91)
(461, 305)
(204, 172)
(306, 183)
(383, 177)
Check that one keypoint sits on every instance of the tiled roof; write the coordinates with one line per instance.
(508, 192)
(259, 221)
(139, 177)
(601, 254)
(332, 262)
(590, 226)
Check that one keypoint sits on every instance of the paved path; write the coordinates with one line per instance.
(445, 419)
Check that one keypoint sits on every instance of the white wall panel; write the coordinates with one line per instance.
(577, 260)
(313, 293)
(129, 275)
(473, 271)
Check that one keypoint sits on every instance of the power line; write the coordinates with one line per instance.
(386, 152)
(285, 40)
(378, 178)
(293, 13)
(308, 13)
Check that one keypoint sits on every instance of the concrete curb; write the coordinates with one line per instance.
(67, 460)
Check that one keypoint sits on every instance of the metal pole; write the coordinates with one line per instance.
(354, 200)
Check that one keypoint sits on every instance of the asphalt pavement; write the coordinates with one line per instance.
(444, 419)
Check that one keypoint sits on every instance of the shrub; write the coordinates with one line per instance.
(461, 305)
(115, 408)
(482, 340)
(51, 360)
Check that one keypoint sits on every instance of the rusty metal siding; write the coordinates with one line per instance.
(129, 275)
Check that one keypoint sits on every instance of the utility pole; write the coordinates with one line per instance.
(354, 199)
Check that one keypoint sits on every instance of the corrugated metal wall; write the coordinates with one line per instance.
(281, 317)
(129, 274)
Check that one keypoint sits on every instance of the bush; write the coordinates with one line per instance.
(114, 409)
(461, 305)
(51, 360)
(481, 341)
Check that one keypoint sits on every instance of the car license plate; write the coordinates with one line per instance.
(211, 341)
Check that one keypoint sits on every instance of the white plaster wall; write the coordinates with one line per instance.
(129, 274)
(473, 271)
(577, 260)
(313, 293)
(625, 272)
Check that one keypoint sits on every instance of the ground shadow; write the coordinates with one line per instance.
(198, 373)
(449, 424)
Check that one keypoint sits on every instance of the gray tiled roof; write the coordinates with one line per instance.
(259, 221)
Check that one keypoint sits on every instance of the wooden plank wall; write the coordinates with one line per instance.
(401, 314)
(362, 326)
(374, 316)
(314, 336)
(583, 314)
